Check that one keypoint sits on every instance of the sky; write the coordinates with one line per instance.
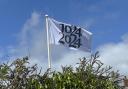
(22, 30)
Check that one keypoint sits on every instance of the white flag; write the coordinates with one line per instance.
(69, 35)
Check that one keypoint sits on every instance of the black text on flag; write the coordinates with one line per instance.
(71, 35)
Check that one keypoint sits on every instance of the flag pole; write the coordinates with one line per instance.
(48, 43)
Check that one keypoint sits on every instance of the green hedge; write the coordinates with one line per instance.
(89, 74)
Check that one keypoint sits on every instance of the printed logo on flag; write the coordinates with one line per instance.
(71, 36)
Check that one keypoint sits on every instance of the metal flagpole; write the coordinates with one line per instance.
(48, 43)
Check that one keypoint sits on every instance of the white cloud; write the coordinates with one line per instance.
(116, 55)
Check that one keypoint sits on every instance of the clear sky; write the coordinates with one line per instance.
(22, 21)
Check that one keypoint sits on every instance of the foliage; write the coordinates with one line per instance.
(89, 74)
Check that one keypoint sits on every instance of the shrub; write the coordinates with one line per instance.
(89, 74)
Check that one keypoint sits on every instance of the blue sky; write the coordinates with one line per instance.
(106, 19)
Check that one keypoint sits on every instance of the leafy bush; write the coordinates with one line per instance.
(89, 74)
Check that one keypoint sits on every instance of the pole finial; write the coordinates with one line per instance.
(46, 15)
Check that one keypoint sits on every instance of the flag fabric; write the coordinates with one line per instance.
(69, 35)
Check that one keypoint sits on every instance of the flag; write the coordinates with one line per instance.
(70, 36)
